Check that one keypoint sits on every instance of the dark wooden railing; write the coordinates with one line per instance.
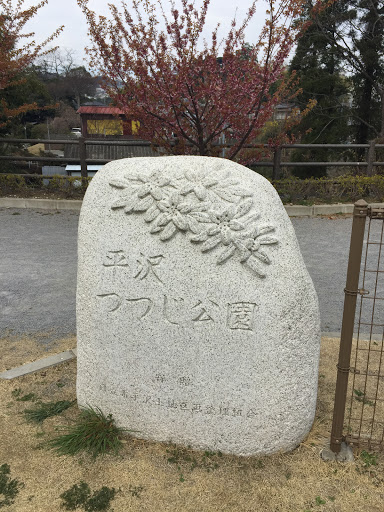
(277, 162)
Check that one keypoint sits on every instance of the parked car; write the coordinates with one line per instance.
(76, 132)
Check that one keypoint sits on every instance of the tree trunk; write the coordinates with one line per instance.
(370, 47)
(364, 112)
(381, 134)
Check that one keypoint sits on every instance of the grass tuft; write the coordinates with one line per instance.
(93, 432)
(17, 394)
(186, 458)
(76, 496)
(80, 496)
(369, 459)
(42, 411)
(100, 499)
(9, 489)
(360, 397)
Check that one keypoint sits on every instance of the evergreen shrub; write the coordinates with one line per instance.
(343, 189)
(347, 189)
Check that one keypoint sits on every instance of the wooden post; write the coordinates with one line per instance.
(83, 161)
(351, 291)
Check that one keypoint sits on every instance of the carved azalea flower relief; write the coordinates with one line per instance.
(191, 205)
(140, 192)
(206, 187)
(176, 214)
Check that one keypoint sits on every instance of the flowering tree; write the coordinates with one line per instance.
(186, 93)
(16, 57)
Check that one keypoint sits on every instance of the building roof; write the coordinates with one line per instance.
(100, 110)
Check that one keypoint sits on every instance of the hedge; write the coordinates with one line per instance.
(62, 186)
(291, 190)
(341, 189)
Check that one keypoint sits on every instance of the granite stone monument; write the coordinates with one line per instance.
(197, 320)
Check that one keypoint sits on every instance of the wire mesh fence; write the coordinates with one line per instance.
(365, 405)
(359, 401)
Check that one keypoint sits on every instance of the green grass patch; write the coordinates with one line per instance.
(17, 394)
(79, 496)
(360, 397)
(42, 411)
(9, 488)
(186, 458)
(93, 432)
(369, 459)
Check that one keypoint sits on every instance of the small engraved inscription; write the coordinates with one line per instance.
(204, 311)
(113, 302)
(115, 259)
(146, 266)
(168, 311)
(180, 312)
(241, 315)
(147, 304)
(180, 381)
(175, 405)
(184, 381)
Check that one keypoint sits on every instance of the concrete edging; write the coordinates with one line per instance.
(41, 204)
(40, 364)
(72, 204)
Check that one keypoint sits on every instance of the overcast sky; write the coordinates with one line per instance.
(74, 35)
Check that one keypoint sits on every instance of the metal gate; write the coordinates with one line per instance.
(358, 416)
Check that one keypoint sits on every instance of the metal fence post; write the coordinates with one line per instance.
(276, 163)
(83, 160)
(360, 213)
(371, 158)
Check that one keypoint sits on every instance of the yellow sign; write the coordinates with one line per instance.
(135, 127)
(105, 126)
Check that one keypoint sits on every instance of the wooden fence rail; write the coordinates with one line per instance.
(276, 162)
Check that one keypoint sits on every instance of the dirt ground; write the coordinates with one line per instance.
(144, 476)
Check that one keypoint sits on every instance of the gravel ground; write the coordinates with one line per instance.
(38, 269)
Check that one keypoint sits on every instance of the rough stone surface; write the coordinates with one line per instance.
(197, 320)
